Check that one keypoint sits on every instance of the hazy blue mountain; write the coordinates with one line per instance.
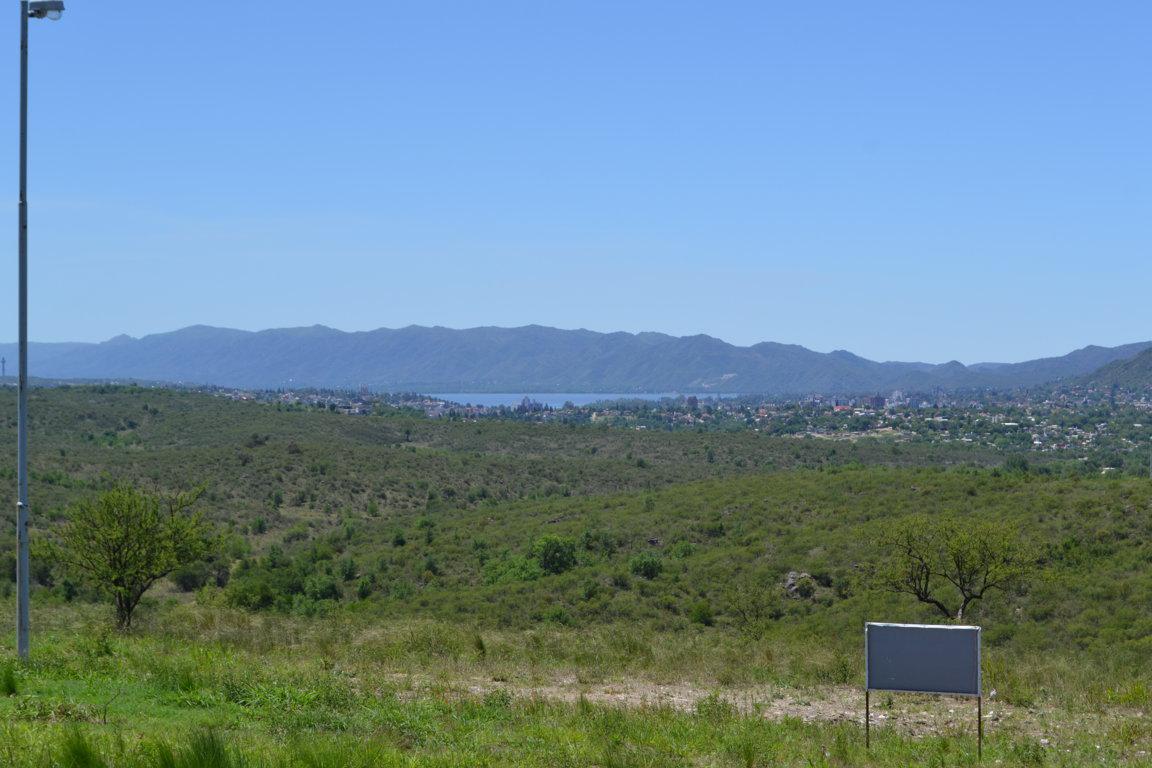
(530, 358)
(1082, 361)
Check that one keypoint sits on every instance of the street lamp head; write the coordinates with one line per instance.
(46, 9)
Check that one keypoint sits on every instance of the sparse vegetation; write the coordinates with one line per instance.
(439, 593)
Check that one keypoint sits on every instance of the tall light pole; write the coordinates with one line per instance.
(28, 10)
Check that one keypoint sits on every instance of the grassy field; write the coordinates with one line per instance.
(383, 596)
(272, 690)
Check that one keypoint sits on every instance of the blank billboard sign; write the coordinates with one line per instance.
(923, 658)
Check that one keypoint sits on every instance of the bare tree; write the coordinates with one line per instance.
(751, 602)
(950, 563)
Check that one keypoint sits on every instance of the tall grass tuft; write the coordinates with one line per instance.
(164, 757)
(203, 750)
(8, 684)
(76, 752)
(337, 755)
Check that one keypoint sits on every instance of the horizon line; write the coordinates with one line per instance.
(322, 326)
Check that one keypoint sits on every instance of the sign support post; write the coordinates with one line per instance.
(980, 727)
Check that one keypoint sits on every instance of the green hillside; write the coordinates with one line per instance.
(435, 518)
(1133, 374)
(393, 590)
(284, 463)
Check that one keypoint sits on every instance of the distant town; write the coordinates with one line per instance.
(1109, 430)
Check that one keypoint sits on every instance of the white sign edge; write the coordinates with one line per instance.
(920, 626)
(979, 658)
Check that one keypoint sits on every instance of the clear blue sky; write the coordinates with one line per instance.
(907, 180)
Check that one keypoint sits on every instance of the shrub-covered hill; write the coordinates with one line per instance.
(1133, 373)
(285, 465)
(719, 553)
(514, 524)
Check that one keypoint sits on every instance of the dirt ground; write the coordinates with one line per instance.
(911, 714)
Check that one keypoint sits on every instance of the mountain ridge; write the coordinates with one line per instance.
(526, 358)
(1132, 373)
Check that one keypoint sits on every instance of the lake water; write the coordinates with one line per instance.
(554, 399)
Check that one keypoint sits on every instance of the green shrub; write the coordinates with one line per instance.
(701, 613)
(510, 568)
(1016, 463)
(191, 577)
(68, 590)
(298, 532)
(806, 587)
(555, 554)
(557, 615)
(264, 587)
(647, 565)
(598, 541)
(8, 684)
(322, 587)
(621, 580)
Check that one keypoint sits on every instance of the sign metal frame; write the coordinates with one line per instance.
(978, 694)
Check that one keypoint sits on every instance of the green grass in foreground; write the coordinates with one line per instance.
(212, 689)
(500, 733)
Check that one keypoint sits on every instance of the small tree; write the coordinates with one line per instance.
(949, 563)
(124, 540)
(646, 565)
(554, 553)
(752, 601)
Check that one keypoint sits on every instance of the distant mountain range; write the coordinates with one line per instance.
(527, 359)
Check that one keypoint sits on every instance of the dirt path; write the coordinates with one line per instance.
(911, 714)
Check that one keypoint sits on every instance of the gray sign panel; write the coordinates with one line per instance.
(925, 658)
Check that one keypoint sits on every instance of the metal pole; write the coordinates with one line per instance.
(867, 721)
(22, 573)
(979, 727)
